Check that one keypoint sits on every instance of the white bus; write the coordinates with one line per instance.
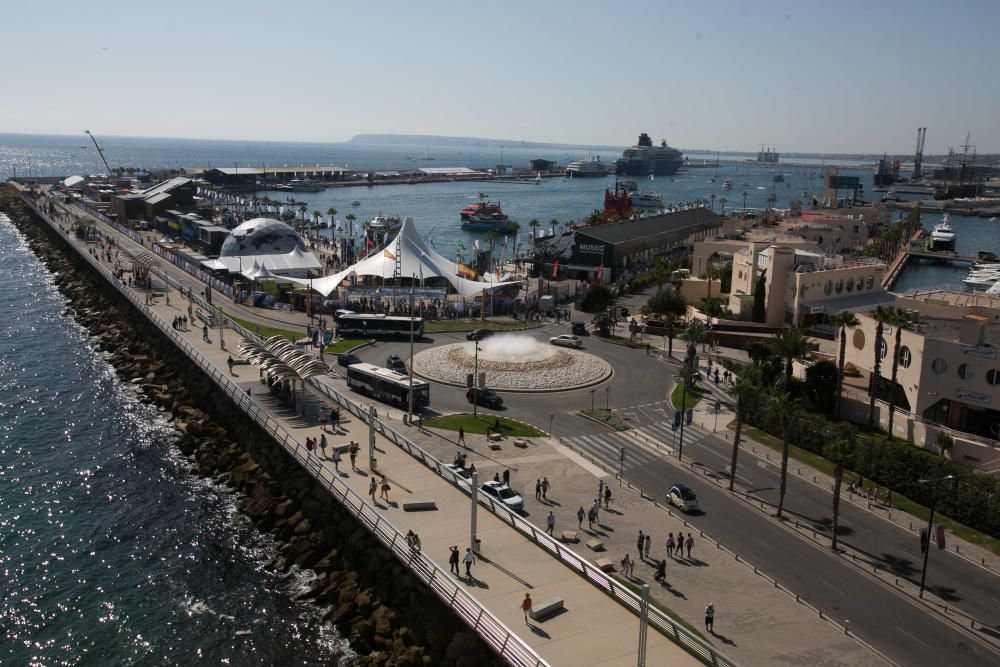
(388, 386)
(361, 324)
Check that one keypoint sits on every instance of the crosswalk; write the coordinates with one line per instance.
(606, 448)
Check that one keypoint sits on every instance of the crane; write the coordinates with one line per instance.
(100, 152)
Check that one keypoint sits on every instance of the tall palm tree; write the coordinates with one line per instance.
(840, 452)
(331, 212)
(841, 321)
(553, 223)
(772, 199)
(711, 273)
(534, 223)
(785, 407)
(791, 345)
(882, 315)
(302, 210)
(671, 320)
(694, 333)
(900, 318)
(741, 390)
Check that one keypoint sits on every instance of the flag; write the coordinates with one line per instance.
(477, 245)
(600, 271)
(371, 244)
(555, 269)
(388, 255)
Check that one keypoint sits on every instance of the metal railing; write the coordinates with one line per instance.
(493, 631)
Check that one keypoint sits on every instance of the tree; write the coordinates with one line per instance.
(742, 389)
(350, 217)
(842, 321)
(712, 198)
(694, 333)
(882, 315)
(553, 223)
(711, 273)
(596, 299)
(671, 320)
(791, 345)
(757, 351)
(302, 210)
(944, 442)
(899, 319)
(666, 301)
(821, 386)
(785, 407)
(840, 452)
(331, 212)
(533, 223)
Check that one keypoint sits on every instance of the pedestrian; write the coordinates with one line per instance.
(680, 544)
(661, 571)
(409, 538)
(333, 420)
(648, 545)
(354, 454)
(545, 487)
(888, 498)
(710, 617)
(322, 443)
(461, 435)
(453, 559)
(416, 542)
(496, 478)
(580, 515)
(600, 488)
(591, 518)
(689, 542)
(538, 489)
(640, 542)
(469, 560)
(550, 523)
(204, 333)
(526, 606)
(336, 459)
(372, 487)
(597, 510)
(670, 545)
(309, 446)
(626, 564)
(607, 497)
(506, 477)
(229, 362)
(385, 488)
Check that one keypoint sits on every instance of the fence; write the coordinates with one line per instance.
(493, 631)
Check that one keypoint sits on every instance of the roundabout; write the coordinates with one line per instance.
(512, 362)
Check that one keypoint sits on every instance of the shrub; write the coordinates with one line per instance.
(597, 298)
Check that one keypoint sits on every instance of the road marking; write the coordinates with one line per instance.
(912, 637)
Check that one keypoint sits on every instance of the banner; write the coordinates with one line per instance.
(555, 269)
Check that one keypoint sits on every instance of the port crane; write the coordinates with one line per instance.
(100, 152)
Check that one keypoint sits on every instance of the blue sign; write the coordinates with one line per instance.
(677, 418)
(690, 416)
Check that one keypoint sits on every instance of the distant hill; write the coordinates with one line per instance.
(438, 140)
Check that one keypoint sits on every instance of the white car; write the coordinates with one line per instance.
(504, 494)
(566, 340)
(682, 498)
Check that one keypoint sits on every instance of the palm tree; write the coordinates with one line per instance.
(900, 318)
(741, 390)
(350, 217)
(791, 345)
(841, 321)
(694, 333)
(772, 199)
(882, 315)
(553, 223)
(785, 407)
(671, 320)
(534, 223)
(840, 452)
(711, 273)
(712, 198)
(722, 202)
(331, 212)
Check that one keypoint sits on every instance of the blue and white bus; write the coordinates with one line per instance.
(388, 386)
(361, 324)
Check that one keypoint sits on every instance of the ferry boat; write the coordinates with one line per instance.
(642, 198)
(592, 166)
(388, 224)
(481, 208)
(943, 234)
(495, 222)
(298, 185)
(645, 159)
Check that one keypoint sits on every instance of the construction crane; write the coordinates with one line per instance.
(918, 155)
(100, 152)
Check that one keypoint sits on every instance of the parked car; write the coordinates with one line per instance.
(682, 498)
(578, 328)
(479, 334)
(485, 397)
(504, 494)
(395, 363)
(566, 340)
(346, 359)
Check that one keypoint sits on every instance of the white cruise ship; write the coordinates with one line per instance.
(592, 166)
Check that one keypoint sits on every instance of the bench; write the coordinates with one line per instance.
(495, 446)
(595, 544)
(419, 505)
(240, 362)
(494, 437)
(570, 536)
(521, 442)
(546, 608)
(605, 564)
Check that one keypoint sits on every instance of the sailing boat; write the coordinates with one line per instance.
(427, 153)
(538, 177)
(652, 177)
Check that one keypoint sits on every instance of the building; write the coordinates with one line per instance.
(622, 247)
(268, 243)
(830, 231)
(243, 177)
(157, 200)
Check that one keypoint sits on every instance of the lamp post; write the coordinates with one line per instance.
(474, 495)
(409, 408)
(592, 392)
(372, 464)
(607, 398)
(475, 382)
(643, 615)
(930, 527)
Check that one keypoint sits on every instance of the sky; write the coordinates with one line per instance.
(804, 76)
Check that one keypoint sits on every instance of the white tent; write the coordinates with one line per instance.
(415, 259)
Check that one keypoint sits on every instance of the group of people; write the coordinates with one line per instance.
(872, 493)
(644, 543)
(180, 323)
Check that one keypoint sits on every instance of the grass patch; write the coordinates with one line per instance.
(469, 325)
(878, 434)
(662, 607)
(607, 417)
(899, 501)
(266, 331)
(480, 423)
(693, 397)
(344, 345)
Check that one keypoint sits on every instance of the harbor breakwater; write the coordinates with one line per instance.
(389, 616)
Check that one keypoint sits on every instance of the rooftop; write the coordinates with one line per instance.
(679, 224)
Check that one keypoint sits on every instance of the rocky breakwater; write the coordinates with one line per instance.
(389, 617)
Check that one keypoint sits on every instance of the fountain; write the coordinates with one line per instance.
(512, 362)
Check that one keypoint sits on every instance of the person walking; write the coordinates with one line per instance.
(689, 542)
(496, 478)
(640, 542)
(453, 559)
(591, 518)
(469, 560)
(710, 617)
(545, 487)
(597, 510)
(680, 545)
(661, 571)
(626, 564)
(538, 489)
(372, 487)
(506, 477)
(580, 515)
(353, 451)
(648, 545)
(526, 607)
(204, 333)
(607, 497)
(322, 443)
(336, 459)
(416, 542)
(670, 545)
(385, 489)
(461, 435)
(550, 523)
(229, 362)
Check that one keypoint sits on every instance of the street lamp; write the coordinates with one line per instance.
(592, 392)
(926, 546)
(409, 409)
(475, 382)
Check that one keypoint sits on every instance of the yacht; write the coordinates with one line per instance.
(890, 195)
(943, 234)
(642, 198)
(645, 159)
(388, 224)
(305, 185)
(592, 166)
(727, 185)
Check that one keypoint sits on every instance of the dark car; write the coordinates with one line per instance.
(395, 363)
(578, 328)
(347, 359)
(479, 334)
(485, 397)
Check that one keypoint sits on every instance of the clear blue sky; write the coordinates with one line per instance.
(840, 76)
